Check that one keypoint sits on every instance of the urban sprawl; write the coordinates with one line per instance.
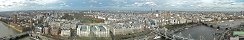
(125, 25)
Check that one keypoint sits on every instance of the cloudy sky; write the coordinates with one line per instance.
(219, 5)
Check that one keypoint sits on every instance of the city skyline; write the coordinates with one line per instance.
(189, 5)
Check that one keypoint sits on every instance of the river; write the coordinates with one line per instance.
(6, 31)
(208, 33)
(200, 33)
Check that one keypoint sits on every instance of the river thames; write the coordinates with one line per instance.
(6, 31)
(200, 32)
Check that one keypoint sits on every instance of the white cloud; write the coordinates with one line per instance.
(44, 2)
(205, 3)
(19, 3)
(164, 4)
(10, 3)
(6, 5)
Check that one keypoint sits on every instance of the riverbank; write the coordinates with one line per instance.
(11, 26)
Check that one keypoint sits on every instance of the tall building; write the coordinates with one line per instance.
(14, 18)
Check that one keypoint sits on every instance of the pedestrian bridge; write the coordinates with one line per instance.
(15, 37)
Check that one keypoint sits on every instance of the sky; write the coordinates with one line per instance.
(189, 5)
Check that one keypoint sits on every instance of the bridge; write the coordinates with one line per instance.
(176, 36)
(170, 35)
(15, 37)
(223, 27)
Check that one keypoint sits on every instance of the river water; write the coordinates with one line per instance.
(200, 32)
(6, 31)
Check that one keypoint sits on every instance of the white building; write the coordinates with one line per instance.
(123, 28)
(183, 21)
(83, 30)
(65, 33)
(174, 21)
(98, 30)
(188, 21)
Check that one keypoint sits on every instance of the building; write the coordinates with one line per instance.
(65, 33)
(15, 18)
(174, 21)
(54, 24)
(183, 21)
(152, 23)
(82, 30)
(189, 21)
(237, 35)
(46, 30)
(54, 30)
(65, 26)
(234, 38)
(38, 30)
(123, 28)
(96, 30)
(100, 31)
(73, 26)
